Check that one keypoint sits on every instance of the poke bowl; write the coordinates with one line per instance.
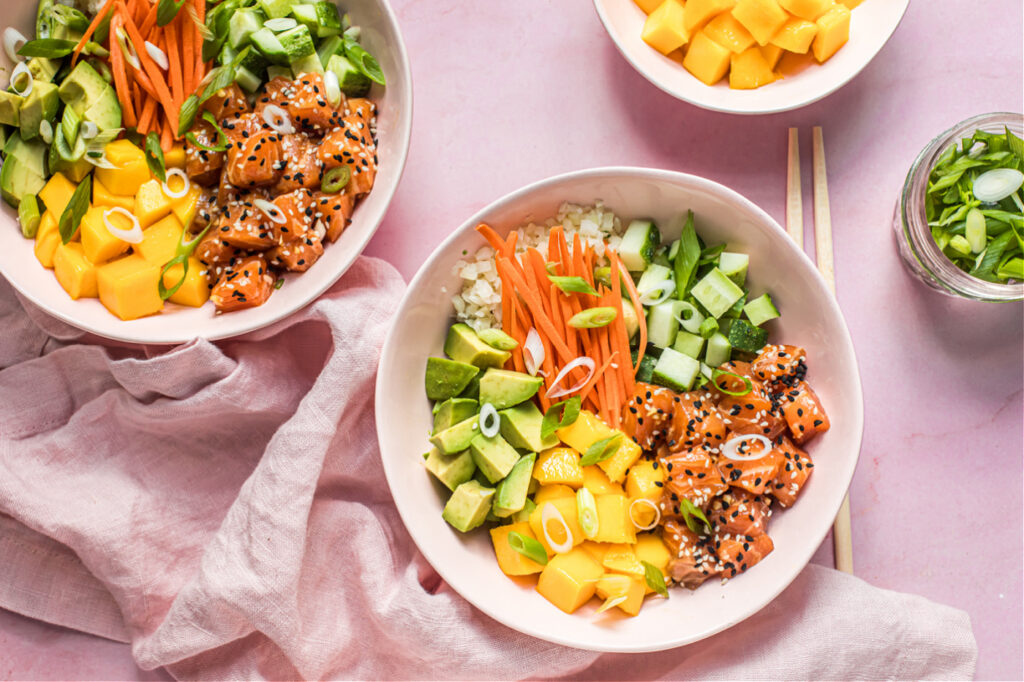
(511, 521)
(177, 236)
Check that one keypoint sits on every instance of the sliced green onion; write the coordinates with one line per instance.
(612, 602)
(364, 61)
(593, 318)
(572, 285)
(73, 213)
(601, 450)
(708, 328)
(280, 283)
(655, 578)
(167, 10)
(748, 386)
(996, 184)
(559, 416)
(182, 252)
(155, 157)
(586, 509)
(974, 231)
(528, 547)
(336, 179)
(495, 338)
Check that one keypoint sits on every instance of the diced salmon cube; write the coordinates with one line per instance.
(696, 421)
(351, 144)
(754, 412)
(203, 167)
(794, 471)
(691, 474)
(752, 475)
(804, 414)
(214, 251)
(299, 215)
(778, 362)
(647, 414)
(302, 167)
(227, 103)
(364, 108)
(693, 559)
(739, 512)
(298, 255)
(307, 103)
(737, 553)
(255, 161)
(248, 285)
(246, 227)
(335, 210)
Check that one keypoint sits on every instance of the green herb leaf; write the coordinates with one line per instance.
(572, 285)
(71, 218)
(155, 157)
(167, 10)
(686, 258)
(655, 578)
(50, 48)
(601, 450)
(593, 318)
(528, 547)
(691, 513)
(559, 416)
(364, 61)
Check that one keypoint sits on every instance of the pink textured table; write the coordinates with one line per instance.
(511, 92)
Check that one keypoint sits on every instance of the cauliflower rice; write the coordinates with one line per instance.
(478, 304)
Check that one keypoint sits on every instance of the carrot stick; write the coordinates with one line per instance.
(147, 116)
(120, 78)
(492, 237)
(92, 29)
(174, 58)
(634, 297)
(188, 33)
(151, 69)
(620, 334)
(536, 309)
(166, 137)
(147, 24)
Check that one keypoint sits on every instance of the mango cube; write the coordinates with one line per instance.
(74, 271)
(618, 464)
(596, 549)
(648, 6)
(185, 208)
(706, 59)
(596, 481)
(559, 465)
(569, 580)
(761, 17)
(620, 558)
(699, 12)
(567, 507)
(851, 3)
(99, 244)
(772, 54)
(131, 169)
(613, 522)
(749, 70)
(649, 547)
(806, 9)
(552, 492)
(510, 561)
(195, 289)
(833, 32)
(727, 32)
(664, 29)
(101, 196)
(151, 204)
(631, 587)
(128, 287)
(795, 35)
(584, 432)
(175, 158)
(160, 242)
(47, 240)
(57, 193)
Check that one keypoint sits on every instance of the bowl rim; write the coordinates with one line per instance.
(599, 6)
(402, 135)
(605, 172)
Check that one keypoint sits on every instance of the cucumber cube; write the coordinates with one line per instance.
(243, 24)
(734, 265)
(655, 275)
(646, 368)
(328, 19)
(249, 81)
(746, 337)
(310, 64)
(639, 244)
(760, 310)
(719, 351)
(352, 81)
(662, 325)
(305, 14)
(675, 371)
(716, 292)
(330, 47)
(297, 43)
(267, 42)
(276, 9)
(689, 344)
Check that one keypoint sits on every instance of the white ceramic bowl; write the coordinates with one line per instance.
(810, 318)
(872, 24)
(178, 324)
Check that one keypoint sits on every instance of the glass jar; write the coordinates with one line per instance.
(917, 247)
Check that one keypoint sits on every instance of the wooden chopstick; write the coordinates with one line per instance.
(841, 530)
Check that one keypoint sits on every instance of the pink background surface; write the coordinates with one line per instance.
(512, 92)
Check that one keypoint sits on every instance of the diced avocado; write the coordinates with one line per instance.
(520, 426)
(105, 110)
(472, 389)
(453, 411)
(675, 371)
(716, 292)
(452, 470)
(528, 507)
(297, 43)
(510, 496)
(23, 169)
(639, 244)
(746, 337)
(40, 105)
(353, 82)
(31, 155)
(309, 64)
(276, 9)
(646, 369)
(495, 338)
(10, 108)
(82, 87)
(662, 325)
(760, 310)
(689, 344)
(28, 215)
(464, 345)
(446, 378)
(493, 456)
(43, 69)
(468, 506)
(457, 437)
(630, 320)
(243, 24)
(719, 351)
(504, 388)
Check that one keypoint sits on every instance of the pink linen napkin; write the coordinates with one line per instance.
(223, 508)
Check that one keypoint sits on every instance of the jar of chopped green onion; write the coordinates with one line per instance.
(959, 221)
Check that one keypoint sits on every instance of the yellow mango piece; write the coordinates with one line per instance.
(47, 240)
(649, 547)
(644, 479)
(510, 561)
(101, 196)
(57, 193)
(620, 558)
(552, 492)
(151, 204)
(195, 290)
(567, 507)
(596, 549)
(569, 580)
(851, 3)
(772, 54)
(699, 12)
(99, 244)
(160, 241)
(130, 172)
(584, 432)
(175, 158)
(618, 464)
(596, 481)
(761, 17)
(185, 208)
(613, 523)
(806, 9)
(128, 287)
(706, 59)
(648, 6)
(749, 70)
(612, 586)
(559, 465)
(74, 271)
(795, 35)
(664, 29)
(727, 32)
(833, 32)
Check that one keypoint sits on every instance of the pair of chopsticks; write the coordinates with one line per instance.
(841, 532)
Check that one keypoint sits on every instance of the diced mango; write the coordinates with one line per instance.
(806, 9)
(128, 287)
(664, 29)
(795, 35)
(74, 271)
(649, 547)
(47, 240)
(559, 465)
(596, 549)
(833, 32)
(706, 59)
(761, 17)
(749, 70)
(645, 480)
(569, 580)
(552, 492)
(699, 12)
(510, 561)
(727, 32)
(151, 204)
(596, 481)
(195, 290)
(131, 169)
(185, 208)
(618, 464)
(175, 158)
(851, 3)
(621, 558)
(160, 241)
(772, 54)
(101, 196)
(613, 523)
(584, 432)
(57, 193)
(648, 6)
(567, 507)
(99, 244)
(612, 586)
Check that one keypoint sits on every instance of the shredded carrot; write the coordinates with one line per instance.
(121, 79)
(97, 20)
(174, 60)
(150, 68)
(147, 24)
(188, 33)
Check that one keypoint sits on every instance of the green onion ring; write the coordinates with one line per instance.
(721, 372)
(335, 179)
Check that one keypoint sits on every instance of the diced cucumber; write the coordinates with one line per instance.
(227, 55)
(689, 344)
(760, 310)
(734, 266)
(736, 310)
(653, 277)
(352, 81)
(719, 350)
(708, 328)
(675, 370)
(28, 215)
(305, 14)
(310, 64)
(716, 292)
(267, 42)
(253, 60)
(330, 47)
(249, 81)
(297, 43)
(690, 318)
(646, 369)
(276, 9)
(746, 337)
(278, 72)
(328, 20)
(662, 325)
(242, 25)
(640, 241)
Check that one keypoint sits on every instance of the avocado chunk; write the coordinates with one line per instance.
(10, 108)
(468, 506)
(504, 388)
(520, 426)
(43, 69)
(82, 87)
(472, 389)
(463, 345)
(104, 111)
(23, 170)
(493, 456)
(40, 105)
(456, 438)
(524, 514)
(446, 378)
(452, 470)
(510, 495)
(453, 411)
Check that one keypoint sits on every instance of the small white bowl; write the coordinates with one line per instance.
(177, 324)
(810, 318)
(872, 24)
